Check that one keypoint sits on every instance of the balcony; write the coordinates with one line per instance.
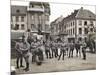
(35, 9)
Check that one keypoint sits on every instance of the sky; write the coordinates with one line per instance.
(59, 9)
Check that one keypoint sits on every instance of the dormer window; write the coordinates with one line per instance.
(18, 11)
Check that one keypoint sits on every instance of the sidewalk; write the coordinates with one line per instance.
(53, 65)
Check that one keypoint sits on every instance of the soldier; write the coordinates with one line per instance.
(34, 49)
(39, 53)
(84, 50)
(71, 49)
(66, 49)
(77, 47)
(56, 49)
(62, 51)
(47, 49)
(19, 54)
(53, 49)
(24, 47)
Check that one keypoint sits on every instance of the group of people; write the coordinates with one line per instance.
(58, 49)
(51, 49)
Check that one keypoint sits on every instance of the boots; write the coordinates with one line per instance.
(21, 61)
(27, 67)
(17, 64)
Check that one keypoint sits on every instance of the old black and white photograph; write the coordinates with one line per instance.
(52, 37)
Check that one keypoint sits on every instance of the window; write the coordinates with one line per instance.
(32, 17)
(40, 19)
(80, 22)
(17, 11)
(16, 26)
(80, 30)
(32, 26)
(91, 23)
(22, 26)
(17, 18)
(64, 28)
(85, 30)
(80, 39)
(91, 29)
(73, 31)
(47, 18)
(31, 6)
(11, 26)
(11, 19)
(85, 39)
(22, 19)
(73, 23)
(69, 32)
(85, 22)
(39, 27)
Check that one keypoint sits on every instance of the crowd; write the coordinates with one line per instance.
(50, 49)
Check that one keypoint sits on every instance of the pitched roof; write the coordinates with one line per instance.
(18, 10)
(72, 16)
(81, 14)
(85, 14)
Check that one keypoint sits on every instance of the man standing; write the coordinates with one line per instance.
(77, 47)
(19, 54)
(84, 50)
(53, 49)
(56, 49)
(71, 49)
(34, 49)
(62, 51)
(47, 49)
(24, 47)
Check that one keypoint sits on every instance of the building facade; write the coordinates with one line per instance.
(18, 18)
(55, 27)
(34, 17)
(78, 26)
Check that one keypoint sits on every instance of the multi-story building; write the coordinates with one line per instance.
(38, 16)
(19, 18)
(55, 27)
(18, 21)
(79, 25)
(34, 17)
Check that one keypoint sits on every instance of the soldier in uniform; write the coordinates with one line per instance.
(47, 50)
(84, 50)
(71, 49)
(62, 51)
(56, 49)
(24, 47)
(19, 54)
(53, 49)
(66, 49)
(34, 49)
(39, 53)
(77, 47)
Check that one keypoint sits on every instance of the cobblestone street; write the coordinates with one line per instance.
(53, 65)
